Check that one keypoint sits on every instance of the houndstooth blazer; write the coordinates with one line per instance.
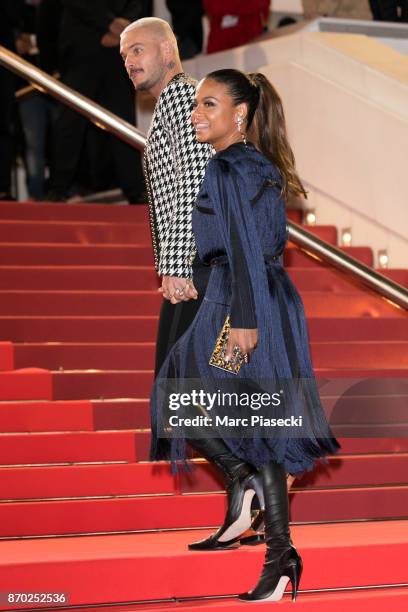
(174, 164)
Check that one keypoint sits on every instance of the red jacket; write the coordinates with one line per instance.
(246, 22)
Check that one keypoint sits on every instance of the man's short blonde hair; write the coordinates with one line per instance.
(159, 29)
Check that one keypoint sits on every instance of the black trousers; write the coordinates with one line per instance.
(175, 319)
(102, 78)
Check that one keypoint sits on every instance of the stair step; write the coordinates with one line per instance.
(77, 415)
(142, 328)
(69, 447)
(118, 302)
(348, 445)
(137, 383)
(147, 512)
(84, 255)
(6, 356)
(73, 212)
(85, 232)
(357, 329)
(86, 480)
(69, 356)
(359, 600)
(73, 415)
(80, 303)
(100, 232)
(369, 354)
(105, 384)
(82, 329)
(344, 471)
(34, 383)
(125, 355)
(24, 384)
(326, 551)
(78, 278)
(331, 280)
(88, 212)
(334, 305)
(111, 479)
(48, 254)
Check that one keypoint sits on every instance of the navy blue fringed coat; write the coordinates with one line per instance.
(239, 224)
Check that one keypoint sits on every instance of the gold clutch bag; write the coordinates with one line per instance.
(218, 356)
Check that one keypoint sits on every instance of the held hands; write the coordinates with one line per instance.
(246, 339)
(177, 289)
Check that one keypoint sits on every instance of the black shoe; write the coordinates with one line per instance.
(238, 519)
(275, 576)
(282, 562)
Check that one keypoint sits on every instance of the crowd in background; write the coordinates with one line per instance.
(78, 41)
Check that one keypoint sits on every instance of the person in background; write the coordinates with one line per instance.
(90, 64)
(48, 26)
(35, 109)
(186, 17)
(235, 22)
(11, 16)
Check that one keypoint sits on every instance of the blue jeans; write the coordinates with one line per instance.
(35, 113)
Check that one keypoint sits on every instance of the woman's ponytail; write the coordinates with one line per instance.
(268, 132)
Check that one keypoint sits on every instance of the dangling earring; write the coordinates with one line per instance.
(239, 124)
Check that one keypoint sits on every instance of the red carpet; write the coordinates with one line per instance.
(154, 566)
(78, 317)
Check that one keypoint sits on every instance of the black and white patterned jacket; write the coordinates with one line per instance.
(174, 169)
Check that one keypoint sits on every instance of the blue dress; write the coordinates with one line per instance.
(239, 224)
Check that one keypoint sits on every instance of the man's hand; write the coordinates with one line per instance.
(110, 40)
(118, 25)
(246, 339)
(177, 289)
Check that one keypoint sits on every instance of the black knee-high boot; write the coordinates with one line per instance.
(242, 483)
(282, 562)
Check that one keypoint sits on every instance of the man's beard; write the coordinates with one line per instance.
(151, 82)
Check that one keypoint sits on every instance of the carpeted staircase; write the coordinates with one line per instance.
(83, 512)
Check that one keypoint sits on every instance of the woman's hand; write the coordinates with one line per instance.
(246, 339)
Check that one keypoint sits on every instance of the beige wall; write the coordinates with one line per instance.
(348, 9)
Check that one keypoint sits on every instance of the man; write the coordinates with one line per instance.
(174, 169)
(90, 64)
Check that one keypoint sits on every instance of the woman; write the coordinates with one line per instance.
(240, 230)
